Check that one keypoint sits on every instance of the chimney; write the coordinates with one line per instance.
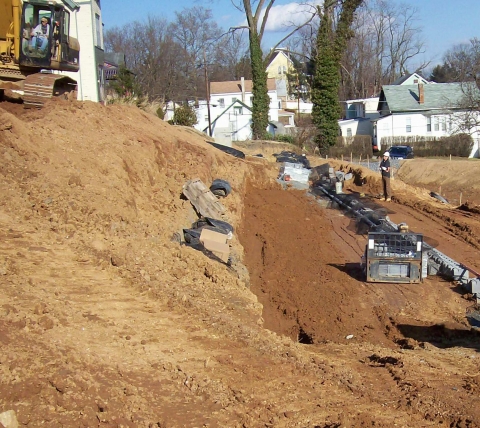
(242, 82)
(421, 94)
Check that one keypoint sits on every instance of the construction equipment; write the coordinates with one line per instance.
(394, 257)
(34, 41)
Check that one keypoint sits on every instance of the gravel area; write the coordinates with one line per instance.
(373, 164)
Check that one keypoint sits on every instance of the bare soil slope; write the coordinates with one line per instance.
(107, 320)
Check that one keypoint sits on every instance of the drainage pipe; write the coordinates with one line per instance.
(348, 207)
(457, 271)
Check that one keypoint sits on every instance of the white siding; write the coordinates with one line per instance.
(396, 126)
(84, 29)
(239, 124)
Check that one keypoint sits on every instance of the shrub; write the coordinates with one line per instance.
(357, 146)
(285, 138)
(185, 116)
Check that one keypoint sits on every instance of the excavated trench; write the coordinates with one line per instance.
(302, 271)
(303, 261)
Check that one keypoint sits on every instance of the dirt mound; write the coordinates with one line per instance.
(454, 179)
(107, 320)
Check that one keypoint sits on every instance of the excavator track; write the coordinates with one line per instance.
(40, 87)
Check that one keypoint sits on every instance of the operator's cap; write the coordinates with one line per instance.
(387, 154)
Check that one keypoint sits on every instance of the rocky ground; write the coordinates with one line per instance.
(107, 320)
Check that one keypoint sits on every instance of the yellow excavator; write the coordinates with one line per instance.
(34, 41)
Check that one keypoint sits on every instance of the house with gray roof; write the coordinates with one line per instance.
(359, 113)
(424, 110)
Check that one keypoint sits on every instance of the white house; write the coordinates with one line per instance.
(231, 111)
(424, 110)
(299, 106)
(86, 25)
(358, 117)
(411, 79)
(358, 114)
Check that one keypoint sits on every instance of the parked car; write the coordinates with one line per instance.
(401, 152)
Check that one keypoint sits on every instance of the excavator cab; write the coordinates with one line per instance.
(45, 39)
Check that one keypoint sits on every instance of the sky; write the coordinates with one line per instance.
(445, 23)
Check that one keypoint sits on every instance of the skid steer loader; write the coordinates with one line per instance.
(394, 257)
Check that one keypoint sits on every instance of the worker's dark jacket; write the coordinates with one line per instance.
(386, 164)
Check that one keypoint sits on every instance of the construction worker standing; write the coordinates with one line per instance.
(385, 169)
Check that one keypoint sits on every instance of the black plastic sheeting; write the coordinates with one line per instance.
(223, 226)
(192, 235)
(229, 150)
(439, 197)
(291, 157)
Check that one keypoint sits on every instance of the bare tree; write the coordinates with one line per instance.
(169, 58)
(231, 59)
(387, 42)
(195, 30)
(151, 54)
(256, 13)
(403, 40)
(462, 62)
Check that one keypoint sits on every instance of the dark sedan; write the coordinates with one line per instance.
(401, 152)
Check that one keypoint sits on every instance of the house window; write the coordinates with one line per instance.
(361, 110)
(349, 132)
(284, 69)
(436, 125)
(279, 69)
(221, 102)
(234, 99)
(429, 124)
(98, 30)
(415, 81)
(409, 124)
(251, 101)
(444, 124)
(237, 111)
(279, 104)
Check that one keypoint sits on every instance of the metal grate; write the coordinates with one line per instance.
(395, 245)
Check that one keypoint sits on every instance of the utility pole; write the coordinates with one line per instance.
(207, 85)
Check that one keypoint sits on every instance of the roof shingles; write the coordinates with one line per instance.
(404, 98)
(235, 87)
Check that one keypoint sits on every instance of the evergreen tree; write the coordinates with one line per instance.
(185, 116)
(125, 84)
(330, 46)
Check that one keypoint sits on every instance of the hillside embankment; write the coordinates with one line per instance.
(108, 320)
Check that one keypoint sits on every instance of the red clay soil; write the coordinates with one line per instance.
(108, 321)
